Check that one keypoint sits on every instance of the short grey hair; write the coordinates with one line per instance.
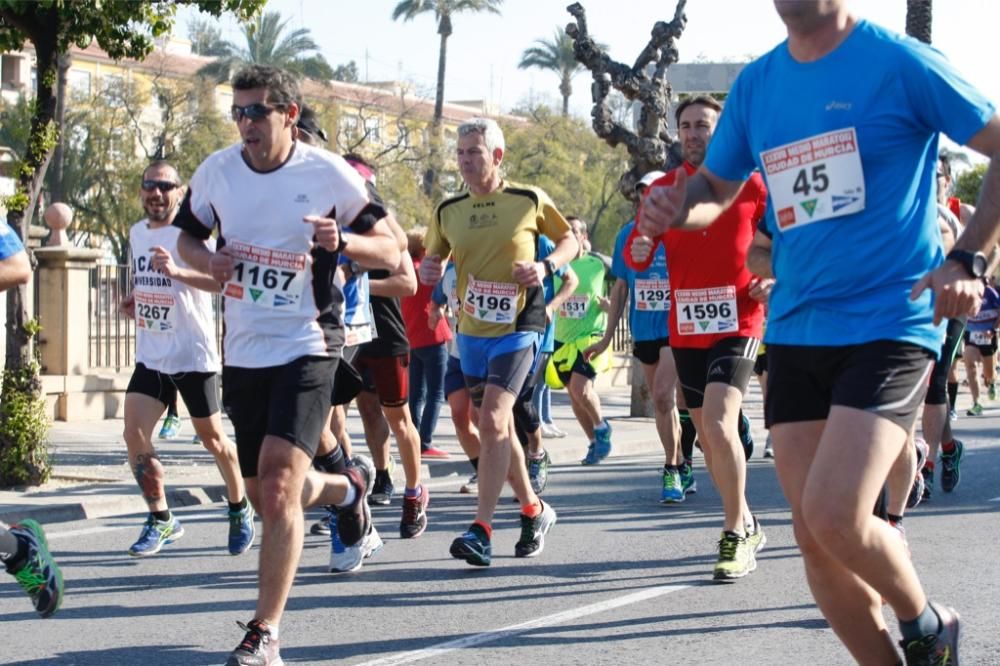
(492, 134)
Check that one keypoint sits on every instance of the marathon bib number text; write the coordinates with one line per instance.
(815, 179)
(981, 337)
(265, 277)
(155, 312)
(652, 295)
(493, 302)
(575, 307)
(706, 311)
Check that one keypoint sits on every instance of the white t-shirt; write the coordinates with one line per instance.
(282, 303)
(175, 325)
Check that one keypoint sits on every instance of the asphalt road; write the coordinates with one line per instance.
(622, 580)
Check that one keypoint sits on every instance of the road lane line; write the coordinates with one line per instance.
(516, 629)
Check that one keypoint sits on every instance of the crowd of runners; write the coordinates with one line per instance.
(815, 204)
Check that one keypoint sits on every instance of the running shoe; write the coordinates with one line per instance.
(383, 490)
(756, 538)
(688, 482)
(345, 559)
(602, 440)
(736, 558)
(471, 487)
(241, 529)
(257, 649)
(155, 535)
(950, 473)
(533, 531)
(952, 414)
(940, 649)
(538, 471)
(991, 392)
(928, 475)
(591, 457)
(473, 547)
(918, 487)
(769, 447)
(414, 520)
(746, 437)
(37, 572)
(673, 489)
(171, 427)
(430, 451)
(353, 520)
(196, 439)
(550, 431)
(975, 410)
(322, 526)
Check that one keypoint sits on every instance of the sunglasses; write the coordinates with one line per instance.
(255, 111)
(161, 185)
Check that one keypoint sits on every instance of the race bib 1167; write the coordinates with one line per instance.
(266, 277)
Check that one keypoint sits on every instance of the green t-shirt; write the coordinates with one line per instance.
(581, 316)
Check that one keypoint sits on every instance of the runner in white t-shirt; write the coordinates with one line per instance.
(175, 352)
(278, 205)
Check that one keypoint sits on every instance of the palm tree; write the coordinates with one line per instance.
(265, 45)
(918, 19)
(556, 56)
(443, 10)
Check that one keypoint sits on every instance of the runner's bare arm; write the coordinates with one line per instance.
(164, 262)
(569, 284)
(402, 281)
(691, 203)
(567, 247)
(619, 294)
(15, 270)
(759, 256)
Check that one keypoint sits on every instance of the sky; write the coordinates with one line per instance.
(484, 49)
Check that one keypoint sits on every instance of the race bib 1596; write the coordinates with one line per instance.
(705, 311)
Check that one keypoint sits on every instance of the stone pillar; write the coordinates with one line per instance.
(64, 300)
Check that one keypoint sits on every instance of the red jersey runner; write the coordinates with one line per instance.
(709, 280)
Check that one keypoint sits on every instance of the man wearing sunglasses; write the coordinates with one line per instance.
(278, 204)
(175, 353)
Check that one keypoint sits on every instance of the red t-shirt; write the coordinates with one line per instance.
(708, 273)
(415, 317)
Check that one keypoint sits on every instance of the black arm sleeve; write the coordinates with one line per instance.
(189, 222)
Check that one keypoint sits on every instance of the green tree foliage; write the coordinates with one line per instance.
(969, 183)
(576, 168)
(348, 72)
(206, 38)
(443, 11)
(123, 29)
(267, 43)
(555, 55)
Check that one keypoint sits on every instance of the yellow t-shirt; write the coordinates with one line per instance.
(487, 234)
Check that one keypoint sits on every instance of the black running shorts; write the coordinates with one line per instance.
(290, 401)
(648, 351)
(729, 361)
(198, 390)
(937, 390)
(508, 371)
(885, 377)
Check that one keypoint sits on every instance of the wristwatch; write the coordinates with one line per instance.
(974, 263)
(550, 268)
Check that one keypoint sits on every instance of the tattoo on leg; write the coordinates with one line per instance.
(148, 473)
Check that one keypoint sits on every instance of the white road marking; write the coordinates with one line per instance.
(515, 629)
(995, 499)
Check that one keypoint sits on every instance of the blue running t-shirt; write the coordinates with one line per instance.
(848, 145)
(10, 244)
(649, 310)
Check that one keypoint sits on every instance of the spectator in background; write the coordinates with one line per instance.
(428, 354)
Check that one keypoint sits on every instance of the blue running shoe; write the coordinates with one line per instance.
(170, 428)
(473, 547)
(602, 438)
(688, 482)
(673, 490)
(155, 535)
(591, 457)
(36, 572)
(241, 529)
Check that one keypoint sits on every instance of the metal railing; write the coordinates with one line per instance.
(112, 334)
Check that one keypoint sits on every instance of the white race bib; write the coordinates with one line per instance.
(574, 307)
(652, 295)
(705, 311)
(265, 277)
(155, 312)
(815, 179)
(981, 337)
(493, 302)
(358, 334)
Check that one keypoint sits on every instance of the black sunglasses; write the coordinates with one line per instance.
(161, 185)
(255, 111)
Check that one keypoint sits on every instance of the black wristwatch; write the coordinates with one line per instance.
(550, 268)
(974, 263)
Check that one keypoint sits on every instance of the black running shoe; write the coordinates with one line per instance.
(746, 437)
(473, 547)
(950, 475)
(533, 531)
(414, 520)
(383, 490)
(353, 520)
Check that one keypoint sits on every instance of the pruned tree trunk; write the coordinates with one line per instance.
(65, 60)
(919, 15)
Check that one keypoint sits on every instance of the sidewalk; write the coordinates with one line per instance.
(91, 477)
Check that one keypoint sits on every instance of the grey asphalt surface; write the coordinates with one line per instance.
(622, 578)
